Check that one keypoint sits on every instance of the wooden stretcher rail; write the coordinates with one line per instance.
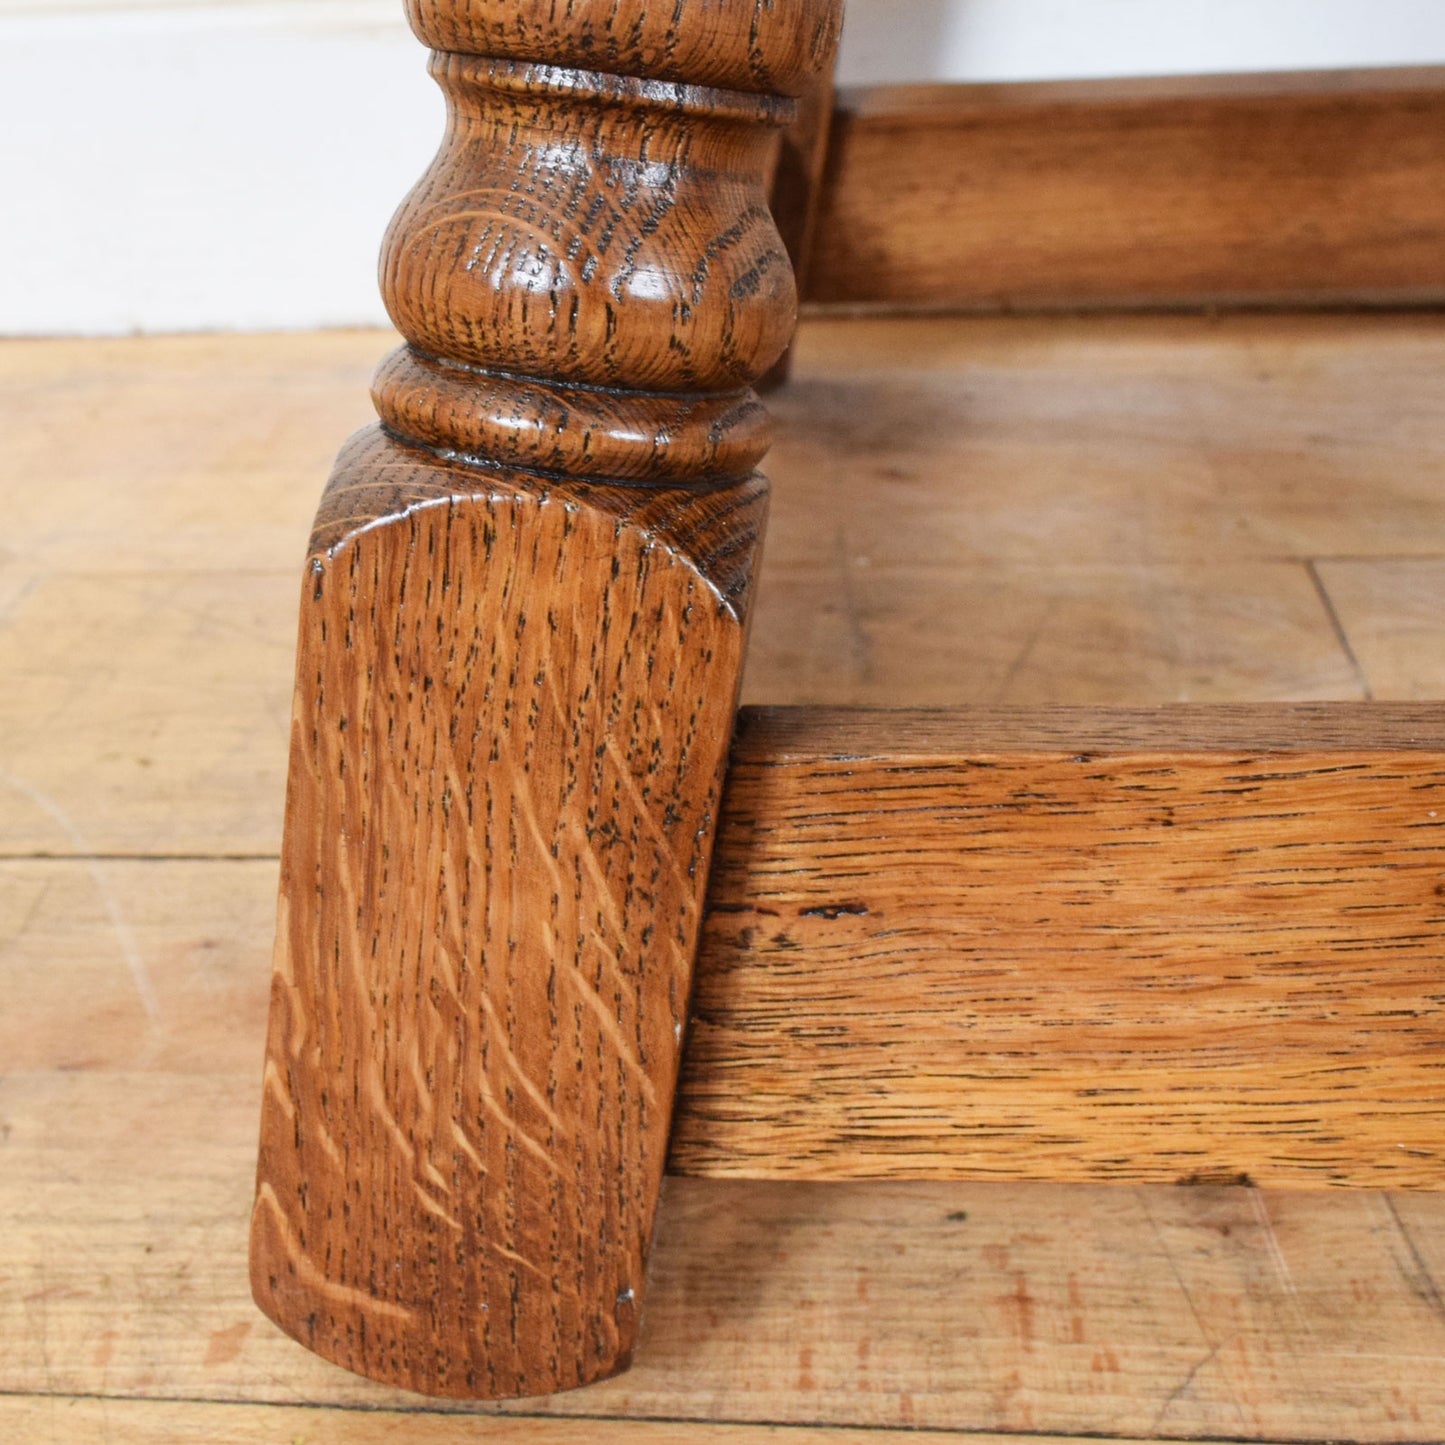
(1195, 945)
(1324, 187)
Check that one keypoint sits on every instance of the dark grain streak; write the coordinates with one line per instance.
(1014, 971)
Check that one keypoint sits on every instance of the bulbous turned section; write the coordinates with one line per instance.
(594, 257)
(596, 230)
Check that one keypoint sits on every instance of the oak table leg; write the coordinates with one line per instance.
(522, 628)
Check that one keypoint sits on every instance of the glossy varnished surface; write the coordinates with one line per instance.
(750, 45)
(592, 229)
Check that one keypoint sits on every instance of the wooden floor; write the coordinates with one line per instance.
(1106, 510)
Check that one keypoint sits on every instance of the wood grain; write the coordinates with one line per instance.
(150, 552)
(1269, 189)
(1021, 634)
(1392, 610)
(68, 1420)
(1107, 442)
(111, 965)
(1184, 946)
(757, 46)
(1188, 468)
(1064, 1309)
(491, 879)
(521, 639)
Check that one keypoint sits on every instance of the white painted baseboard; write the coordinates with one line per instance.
(231, 164)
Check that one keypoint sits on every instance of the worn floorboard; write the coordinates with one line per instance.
(1117, 511)
(91, 1421)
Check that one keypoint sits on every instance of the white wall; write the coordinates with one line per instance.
(194, 164)
(1058, 39)
(175, 166)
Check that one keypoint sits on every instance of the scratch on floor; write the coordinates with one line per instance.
(1025, 654)
(1183, 1388)
(859, 649)
(1277, 1259)
(1337, 626)
(1420, 1280)
(130, 951)
(1214, 1345)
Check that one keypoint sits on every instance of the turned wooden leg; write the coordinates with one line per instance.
(522, 628)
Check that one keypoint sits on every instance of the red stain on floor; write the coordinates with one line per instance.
(225, 1345)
